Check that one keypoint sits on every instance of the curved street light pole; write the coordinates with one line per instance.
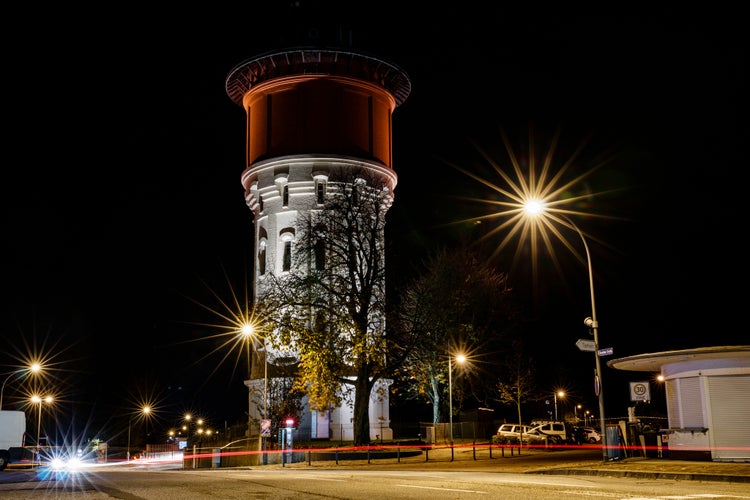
(33, 368)
(593, 324)
(5, 382)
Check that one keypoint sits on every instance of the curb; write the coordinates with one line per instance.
(684, 476)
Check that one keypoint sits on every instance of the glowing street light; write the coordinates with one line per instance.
(38, 400)
(144, 413)
(186, 427)
(248, 331)
(460, 358)
(33, 368)
(536, 208)
(560, 394)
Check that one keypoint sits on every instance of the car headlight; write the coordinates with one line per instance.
(57, 464)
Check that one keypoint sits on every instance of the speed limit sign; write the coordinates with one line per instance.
(640, 391)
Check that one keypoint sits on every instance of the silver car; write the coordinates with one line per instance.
(516, 433)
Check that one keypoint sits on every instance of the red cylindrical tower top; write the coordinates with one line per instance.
(309, 101)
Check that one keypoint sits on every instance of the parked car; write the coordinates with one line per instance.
(579, 435)
(592, 435)
(512, 430)
(534, 437)
(558, 432)
(517, 433)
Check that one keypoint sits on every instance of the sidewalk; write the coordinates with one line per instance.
(658, 468)
(587, 462)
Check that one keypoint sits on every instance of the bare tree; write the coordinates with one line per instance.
(459, 303)
(516, 384)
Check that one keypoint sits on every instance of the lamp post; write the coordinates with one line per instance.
(248, 331)
(265, 380)
(556, 394)
(535, 207)
(36, 399)
(39, 400)
(145, 411)
(460, 358)
(593, 324)
(265, 400)
(33, 368)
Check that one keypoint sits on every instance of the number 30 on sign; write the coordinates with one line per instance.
(640, 391)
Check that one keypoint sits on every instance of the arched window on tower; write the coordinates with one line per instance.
(355, 194)
(357, 188)
(287, 264)
(320, 177)
(262, 257)
(320, 191)
(285, 195)
(286, 237)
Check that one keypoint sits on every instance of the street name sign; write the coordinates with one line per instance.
(586, 345)
(607, 351)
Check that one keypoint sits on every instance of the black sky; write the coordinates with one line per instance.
(122, 190)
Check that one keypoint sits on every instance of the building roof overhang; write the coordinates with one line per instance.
(653, 362)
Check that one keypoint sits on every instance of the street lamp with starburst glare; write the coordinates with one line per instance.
(536, 207)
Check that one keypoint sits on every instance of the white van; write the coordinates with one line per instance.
(12, 433)
(558, 432)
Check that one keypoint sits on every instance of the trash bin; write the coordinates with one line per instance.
(614, 451)
(429, 435)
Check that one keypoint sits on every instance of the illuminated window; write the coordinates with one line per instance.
(357, 187)
(262, 257)
(287, 263)
(320, 191)
(287, 237)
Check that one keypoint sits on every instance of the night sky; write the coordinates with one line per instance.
(123, 206)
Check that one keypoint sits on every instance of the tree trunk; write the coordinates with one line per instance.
(435, 401)
(363, 386)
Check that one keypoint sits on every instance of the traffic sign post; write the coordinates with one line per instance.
(586, 345)
(640, 391)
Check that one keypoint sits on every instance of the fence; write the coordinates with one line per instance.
(436, 433)
(199, 458)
